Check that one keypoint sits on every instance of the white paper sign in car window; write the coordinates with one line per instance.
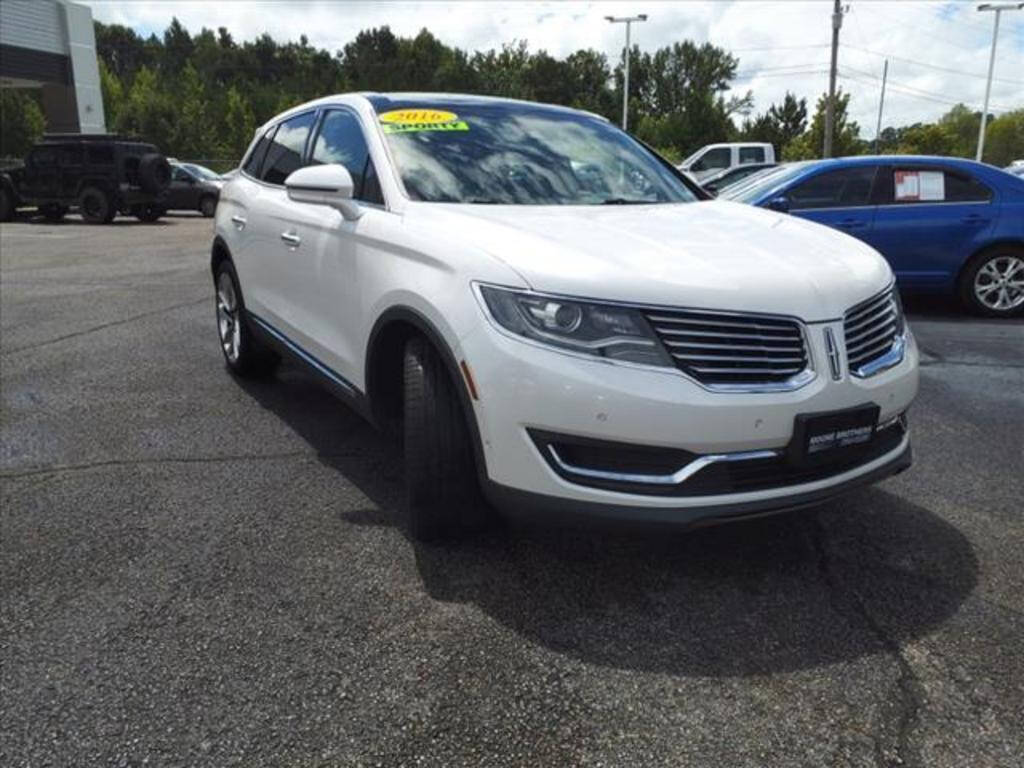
(932, 185)
(907, 185)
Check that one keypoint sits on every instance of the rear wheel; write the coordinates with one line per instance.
(992, 284)
(443, 498)
(208, 206)
(148, 213)
(96, 206)
(243, 352)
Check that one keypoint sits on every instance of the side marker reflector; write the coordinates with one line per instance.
(468, 376)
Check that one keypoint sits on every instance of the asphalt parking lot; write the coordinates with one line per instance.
(202, 572)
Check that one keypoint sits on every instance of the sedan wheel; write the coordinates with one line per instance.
(998, 284)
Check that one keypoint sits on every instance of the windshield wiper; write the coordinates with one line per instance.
(623, 201)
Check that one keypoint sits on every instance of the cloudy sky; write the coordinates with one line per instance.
(938, 51)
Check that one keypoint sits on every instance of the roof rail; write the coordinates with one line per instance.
(89, 137)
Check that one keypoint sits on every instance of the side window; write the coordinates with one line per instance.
(43, 158)
(179, 174)
(721, 157)
(284, 154)
(252, 165)
(964, 189)
(842, 188)
(931, 185)
(751, 155)
(71, 155)
(341, 141)
(99, 155)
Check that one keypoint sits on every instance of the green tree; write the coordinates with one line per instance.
(779, 125)
(113, 93)
(238, 128)
(21, 122)
(927, 139)
(1004, 139)
(961, 125)
(846, 138)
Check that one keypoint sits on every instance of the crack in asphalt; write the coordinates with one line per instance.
(103, 326)
(911, 692)
(171, 460)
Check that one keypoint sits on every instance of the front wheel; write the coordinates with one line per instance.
(243, 352)
(992, 284)
(443, 497)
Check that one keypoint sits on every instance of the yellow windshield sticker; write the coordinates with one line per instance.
(411, 120)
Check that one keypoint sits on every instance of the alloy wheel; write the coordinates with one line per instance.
(228, 321)
(999, 284)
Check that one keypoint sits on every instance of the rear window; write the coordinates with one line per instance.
(936, 185)
(100, 155)
(252, 164)
(284, 155)
(751, 155)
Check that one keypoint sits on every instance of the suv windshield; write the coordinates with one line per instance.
(521, 154)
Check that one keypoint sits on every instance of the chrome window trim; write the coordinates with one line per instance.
(795, 382)
(678, 477)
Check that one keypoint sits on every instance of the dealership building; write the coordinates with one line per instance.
(50, 45)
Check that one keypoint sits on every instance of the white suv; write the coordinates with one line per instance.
(553, 315)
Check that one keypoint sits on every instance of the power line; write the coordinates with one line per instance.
(914, 93)
(933, 66)
(911, 87)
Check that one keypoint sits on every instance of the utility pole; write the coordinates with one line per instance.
(991, 65)
(627, 20)
(830, 107)
(881, 103)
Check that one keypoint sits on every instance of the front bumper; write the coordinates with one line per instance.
(525, 388)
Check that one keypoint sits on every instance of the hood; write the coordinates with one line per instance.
(710, 255)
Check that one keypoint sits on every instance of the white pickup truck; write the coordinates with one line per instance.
(712, 158)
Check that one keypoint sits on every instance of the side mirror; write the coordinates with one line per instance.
(779, 203)
(329, 185)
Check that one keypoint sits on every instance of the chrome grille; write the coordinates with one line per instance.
(872, 329)
(726, 349)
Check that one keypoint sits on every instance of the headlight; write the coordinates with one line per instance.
(602, 330)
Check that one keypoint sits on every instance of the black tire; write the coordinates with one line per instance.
(986, 269)
(147, 213)
(443, 498)
(6, 204)
(208, 205)
(247, 356)
(53, 212)
(96, 206)
(154, 173)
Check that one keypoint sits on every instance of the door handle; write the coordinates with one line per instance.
(291, 238)
(974, 218)
(239, 221)
(852, 223)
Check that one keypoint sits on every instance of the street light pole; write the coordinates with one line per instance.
(627, 20)
(991, 65)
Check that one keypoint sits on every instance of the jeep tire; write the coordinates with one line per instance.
(96, 206)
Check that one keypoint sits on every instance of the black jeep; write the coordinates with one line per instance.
(98, 174)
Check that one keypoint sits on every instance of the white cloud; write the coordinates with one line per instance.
(792, 38)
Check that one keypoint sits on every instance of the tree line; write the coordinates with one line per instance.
(201, 97)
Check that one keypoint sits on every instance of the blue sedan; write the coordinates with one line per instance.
(944, 224)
